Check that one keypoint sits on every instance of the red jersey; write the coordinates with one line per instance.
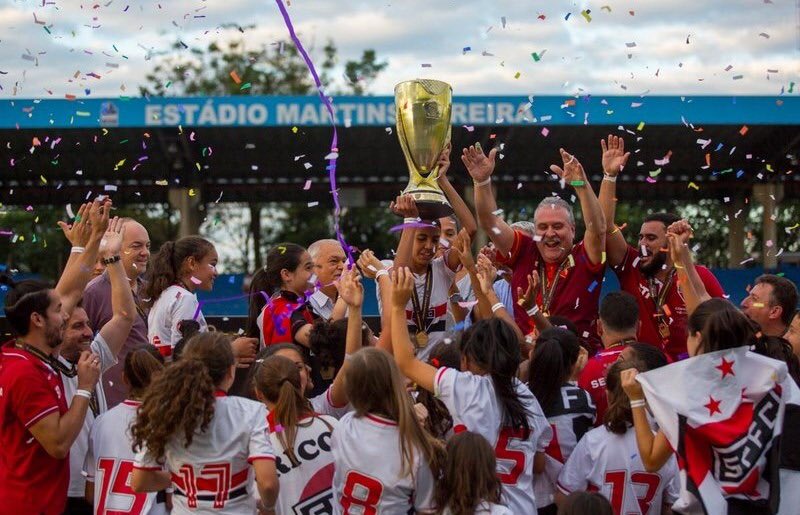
(593, 378)
(577, 285)
(633, 281)
(282, 317)
(31, 481)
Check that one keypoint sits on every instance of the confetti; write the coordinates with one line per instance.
(545, 131)
(693, 186)
(743, 130)
(307, 185)
(585, 13)
(235, 77)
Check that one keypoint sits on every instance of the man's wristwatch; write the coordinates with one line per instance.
(111, 260)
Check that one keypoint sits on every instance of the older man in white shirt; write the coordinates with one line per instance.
(329, 262)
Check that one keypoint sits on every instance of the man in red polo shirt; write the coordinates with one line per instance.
(618, 323)
(570, 275)
(647, 273)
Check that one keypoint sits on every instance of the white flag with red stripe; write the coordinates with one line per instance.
(723, 414)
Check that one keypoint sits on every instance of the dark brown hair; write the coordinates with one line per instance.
(618, 416)
(469, 476)
(721, 326)
(141, 365)
(165, 269)
(784, 294)
(283, 256)
(439, 422)
(24, 299)
(181, 400)
(374, 385)
(278, 380)
(585, 503)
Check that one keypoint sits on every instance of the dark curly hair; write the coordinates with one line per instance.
(181, 401)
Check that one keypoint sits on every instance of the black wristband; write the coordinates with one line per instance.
(111, 260)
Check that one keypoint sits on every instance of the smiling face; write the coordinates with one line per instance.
(426, 241)
(652, 242)
(53, 322)
(299, 279)
(204, 271)
(135, 249)
(329, 263)
(555, 231)
(77, 336)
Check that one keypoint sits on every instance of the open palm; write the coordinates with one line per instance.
(614, 155)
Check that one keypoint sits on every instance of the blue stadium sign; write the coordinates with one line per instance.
(300, 111)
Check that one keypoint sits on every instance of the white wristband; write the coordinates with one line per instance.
(380, 273)
(609, 178)
(410, 220)
(77, 250)
(533, 311)
(483, 183)
(86, 394)
(497, 306)
(638, 403)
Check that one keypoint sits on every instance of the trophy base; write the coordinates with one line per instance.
(431, 204)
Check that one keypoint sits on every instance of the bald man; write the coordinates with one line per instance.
(135, 256)
(329, 260)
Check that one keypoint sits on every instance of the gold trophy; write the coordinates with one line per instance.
(423, 128)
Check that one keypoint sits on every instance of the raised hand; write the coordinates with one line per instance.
(463, 245)
(369, 264)
(572, 171)
(682, 230)
(631, 386)
(244, 350)
(88, 370)
(614, 155)
(405, 206)
(98, 216)
(528, 298)
(402, 286)
(486, 274)
(351, 289)
(79, 231)
(111, 244)
(479, 165)
(444, 161)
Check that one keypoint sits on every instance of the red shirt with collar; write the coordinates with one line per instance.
(633, 281)
(31, 481)
(577, 293)
(593, 378)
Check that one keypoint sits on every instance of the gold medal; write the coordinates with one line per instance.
(422, 339)
(663, 328)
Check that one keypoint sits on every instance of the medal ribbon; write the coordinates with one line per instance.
(549, 293)
(421, 312)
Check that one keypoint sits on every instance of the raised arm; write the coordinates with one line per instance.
(460, 207)
(351, 289)
(486, 276)
(85, 235)
(614, 160)
(594, 238)
(421, 373)
(405, 206)
(527, 301)
(115, 332)
(654, 449)
(480, 168)
(371, 267)
(692, 287)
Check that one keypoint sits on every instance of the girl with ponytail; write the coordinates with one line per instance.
(556, 363)
(385, 461)
(188, 431)
(300, 437)
(485, 396)
(607, 460)
(178, 269)
(109, 452)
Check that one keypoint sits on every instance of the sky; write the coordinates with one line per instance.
(54, 48)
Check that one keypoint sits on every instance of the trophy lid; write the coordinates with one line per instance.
(431, 86)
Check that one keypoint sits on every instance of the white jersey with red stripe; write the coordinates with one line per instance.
(306, 475)
(175, 303)
(109, 464)
(368, 469)
(571, 415)
(323, 405)
(475, 407)
(610, 464)
(213, 474)
(485, 508)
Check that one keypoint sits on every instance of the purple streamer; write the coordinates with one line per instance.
(335, 141)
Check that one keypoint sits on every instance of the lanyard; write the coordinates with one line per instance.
(659, 297)
(421, 311)
(549, 292)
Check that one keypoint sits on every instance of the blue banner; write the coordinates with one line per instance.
(305, 111)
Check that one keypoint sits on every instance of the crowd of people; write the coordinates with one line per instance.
(499, 382)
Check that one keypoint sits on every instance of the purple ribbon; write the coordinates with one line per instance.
(335, 141)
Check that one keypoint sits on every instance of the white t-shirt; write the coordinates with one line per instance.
(109, 465)
(213, 475)
(175, 303)
(610, 463)
(323, 405)
(486, 508)
(436, 320)
(367, 476)
(306, 481)
(77, 453)
(474, 406)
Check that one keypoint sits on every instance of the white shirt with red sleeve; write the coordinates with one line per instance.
(213, 474)
(323, 405)
(109, 465)
(368, 469)
(474, 406)
(610, 464)
(175, 303)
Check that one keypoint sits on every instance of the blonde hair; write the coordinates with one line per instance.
(374, 385)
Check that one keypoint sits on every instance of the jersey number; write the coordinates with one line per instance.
(618, 479)
(363, 491)
(117, 474)
(502, 452)
(214, 477)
